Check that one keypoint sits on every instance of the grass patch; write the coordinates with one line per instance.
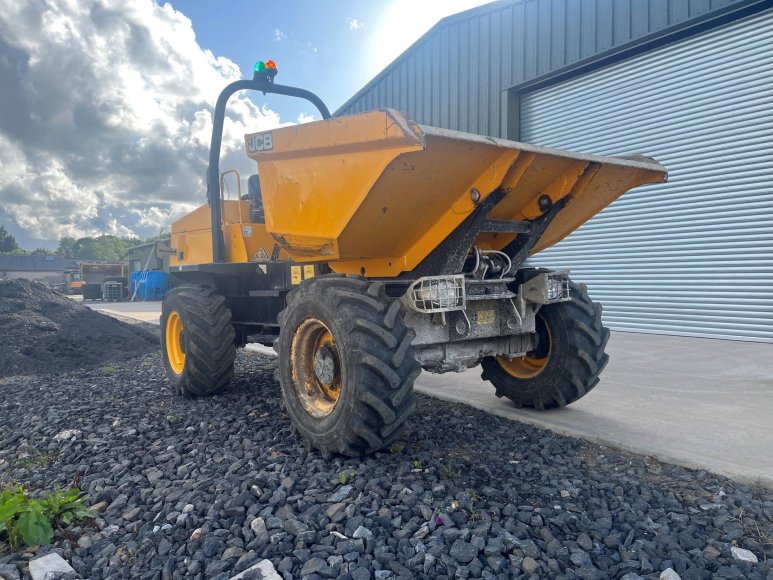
(448, 471)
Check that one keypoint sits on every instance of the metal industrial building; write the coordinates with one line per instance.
(40, 267)
(688, 82)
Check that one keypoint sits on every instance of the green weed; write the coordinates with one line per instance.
(41, 459)
(26, 521)
(396, 447)
(344, 477)
(447, 471)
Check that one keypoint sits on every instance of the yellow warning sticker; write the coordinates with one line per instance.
(308, 272)
(486, 317)
(295, 274)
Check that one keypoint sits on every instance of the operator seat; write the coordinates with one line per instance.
(257, 216)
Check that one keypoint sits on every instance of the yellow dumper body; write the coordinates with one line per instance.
(373, 194)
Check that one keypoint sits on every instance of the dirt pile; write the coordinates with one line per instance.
(42, 331)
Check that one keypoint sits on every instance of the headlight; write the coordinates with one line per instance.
(437, 294)
(441, 294)
(546, 288)
(554, 290)
(557, 287)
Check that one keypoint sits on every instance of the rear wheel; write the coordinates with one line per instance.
(567, 361)
(346, 366)
(197, 340)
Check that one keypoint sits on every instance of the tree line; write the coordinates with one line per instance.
(106, 247)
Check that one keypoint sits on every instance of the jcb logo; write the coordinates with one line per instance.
(260, 142)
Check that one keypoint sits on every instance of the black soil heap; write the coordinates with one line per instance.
(42, 331)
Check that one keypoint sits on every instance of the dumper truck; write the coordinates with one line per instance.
(369, 247)
(73, 282)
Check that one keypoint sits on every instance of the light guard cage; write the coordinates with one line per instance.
(437, 294)
(557, 286)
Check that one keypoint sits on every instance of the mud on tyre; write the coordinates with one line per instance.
(567, 361)
(197, 340)
(346, 366)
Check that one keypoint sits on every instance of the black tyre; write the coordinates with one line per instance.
(346, 365)
(567, 361)
(197, 340)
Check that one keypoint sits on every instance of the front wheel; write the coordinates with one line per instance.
(346, 366)
(197, 340)
(567, 361)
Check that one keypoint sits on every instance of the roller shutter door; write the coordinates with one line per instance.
(693, 256)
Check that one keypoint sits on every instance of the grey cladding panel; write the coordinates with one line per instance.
(558, 34)
(520, 40)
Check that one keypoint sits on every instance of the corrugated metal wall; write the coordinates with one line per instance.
(454, 77)
(694, 256)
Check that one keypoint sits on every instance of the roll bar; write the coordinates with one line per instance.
(261, 81)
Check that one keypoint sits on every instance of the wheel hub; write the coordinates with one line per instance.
(325, 365)
(531, 365)
(315, 365)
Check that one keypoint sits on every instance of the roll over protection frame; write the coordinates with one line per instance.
(264, 83)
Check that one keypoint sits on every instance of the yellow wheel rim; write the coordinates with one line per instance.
(175, 352)
(316, 367)
(528, 367)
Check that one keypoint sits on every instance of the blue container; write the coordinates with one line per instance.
(148, 286)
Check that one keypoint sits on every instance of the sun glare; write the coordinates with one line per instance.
(403, 22)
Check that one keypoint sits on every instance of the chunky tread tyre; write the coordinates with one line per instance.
(575, 362)
(207, 338)
(377, 364)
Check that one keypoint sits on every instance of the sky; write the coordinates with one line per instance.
(106, 105)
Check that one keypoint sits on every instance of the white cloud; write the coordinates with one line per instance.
(106, 116)
(279, 35)
(304, 118)
(307, 49)
(354, 24)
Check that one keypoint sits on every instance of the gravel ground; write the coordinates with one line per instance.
(205, 488)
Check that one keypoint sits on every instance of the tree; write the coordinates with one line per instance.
(106, 247)
(7, 242)
(84, 249)
(160, 237)
(66, 247)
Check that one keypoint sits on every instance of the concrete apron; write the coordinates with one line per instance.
(701, 403)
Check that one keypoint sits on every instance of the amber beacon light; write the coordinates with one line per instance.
(265, 69)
